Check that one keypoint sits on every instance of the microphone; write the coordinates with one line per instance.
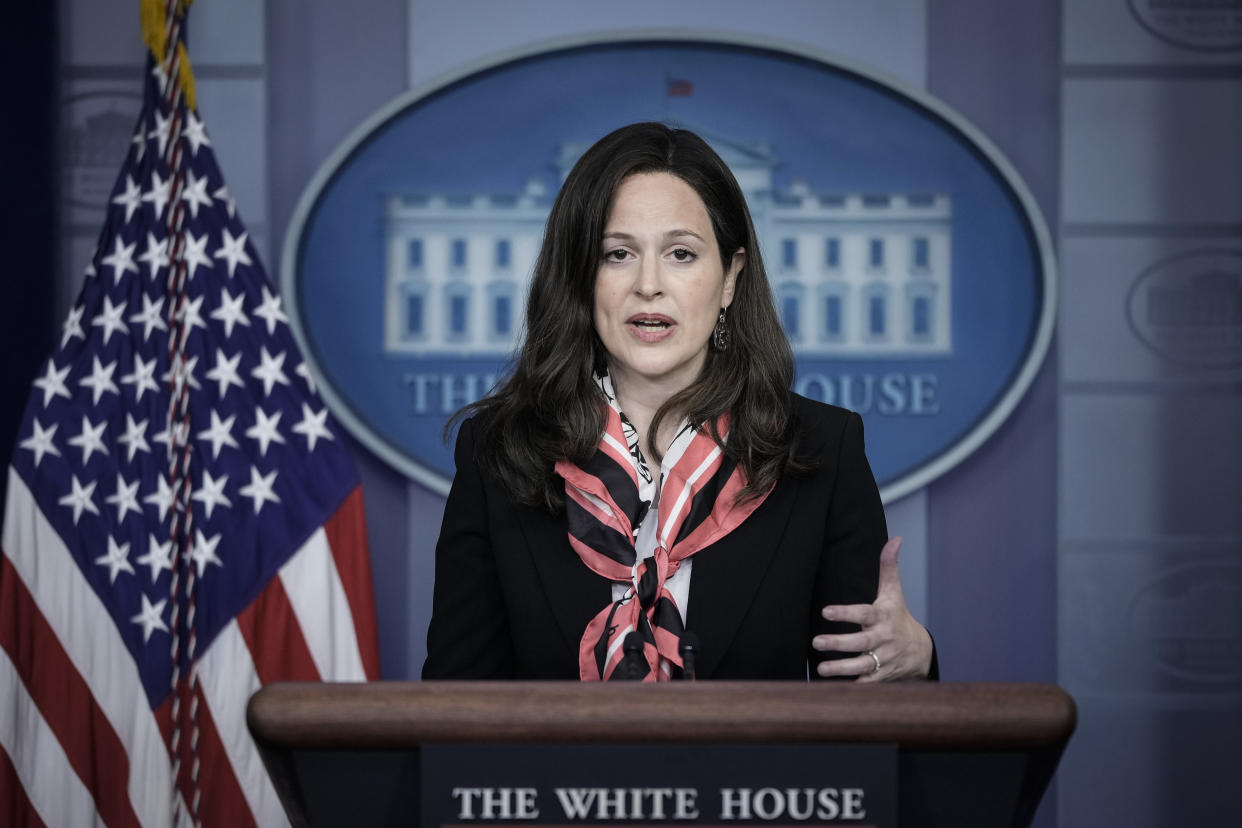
(689, 650)
(634, 663)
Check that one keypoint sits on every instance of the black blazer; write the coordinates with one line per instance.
(512, 598)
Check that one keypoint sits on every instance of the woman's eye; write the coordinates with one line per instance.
(617, 255)
(681, 254)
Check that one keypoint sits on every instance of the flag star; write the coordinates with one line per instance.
(161, 77)
(182, 370)
(116, 559)
(265, 430)
(303, 371)
(130, 199)
(41, 442)
(135, 436)
(195, 133)
(230, 311)
(110, 319)
(222, 194)
(204, 551)
(162, 127)
(73, 326)
(195, 253)
(142, 377)
(53, 382)
(158, 194)
(152, 316)
(140, 141)
(90, 440)
(151, 618)
(211, 492)
(89, 270)
(80, 499)
(189, 314)
(126, 498)
(121, 259)
(260, 488)
(269, 370)
(220, 434)
(163, 498)
(100, 380)
(155, 256)
(313, 426)
(270, 311)
(195, 193)
(233, 251)
(225, 372)
(158, 557)
(180, 430)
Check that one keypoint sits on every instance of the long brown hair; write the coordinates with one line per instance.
(548, 408)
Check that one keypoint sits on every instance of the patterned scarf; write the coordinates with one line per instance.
(605, 508)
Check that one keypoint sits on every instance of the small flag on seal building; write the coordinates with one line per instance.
(183, 523)
(678, 87)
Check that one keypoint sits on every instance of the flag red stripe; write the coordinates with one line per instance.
(91, 745)
(15, 807)
(223, 802)
(347, 538)
(274, 638)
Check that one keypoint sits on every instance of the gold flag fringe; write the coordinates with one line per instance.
(154, 18)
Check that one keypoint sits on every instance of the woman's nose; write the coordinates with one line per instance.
(647, 283)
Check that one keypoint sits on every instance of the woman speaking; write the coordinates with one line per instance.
(644, 497)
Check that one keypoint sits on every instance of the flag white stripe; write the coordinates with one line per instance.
(318, 598)
(228, 679)
(86, 631)
(51, 783)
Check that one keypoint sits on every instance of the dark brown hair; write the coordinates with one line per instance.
(548, 408)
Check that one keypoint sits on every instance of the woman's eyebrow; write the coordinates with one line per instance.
(670, 234)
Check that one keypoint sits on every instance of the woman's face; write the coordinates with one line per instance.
(660, 286)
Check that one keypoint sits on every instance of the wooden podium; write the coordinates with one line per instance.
(968, 753)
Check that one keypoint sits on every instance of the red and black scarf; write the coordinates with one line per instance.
(697, 507)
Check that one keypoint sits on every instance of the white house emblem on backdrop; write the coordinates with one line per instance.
(908, 263)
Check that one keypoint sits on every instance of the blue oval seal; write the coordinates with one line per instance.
(909, 263)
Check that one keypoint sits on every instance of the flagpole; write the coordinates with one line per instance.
(173, 71)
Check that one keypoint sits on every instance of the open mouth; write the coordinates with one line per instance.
(650, 324)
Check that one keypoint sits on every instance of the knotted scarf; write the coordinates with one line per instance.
(605, 508)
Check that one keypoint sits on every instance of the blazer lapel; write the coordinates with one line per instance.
(727, 573)
(574, 592)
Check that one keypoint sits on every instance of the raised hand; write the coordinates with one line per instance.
(892, 645)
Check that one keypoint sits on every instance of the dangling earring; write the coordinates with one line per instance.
(721, 335)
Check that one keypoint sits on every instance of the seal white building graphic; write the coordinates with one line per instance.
(857, 274)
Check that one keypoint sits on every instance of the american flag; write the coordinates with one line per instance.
(183, 523)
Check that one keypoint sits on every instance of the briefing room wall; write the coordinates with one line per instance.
(1150, 536)
(282, 82)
